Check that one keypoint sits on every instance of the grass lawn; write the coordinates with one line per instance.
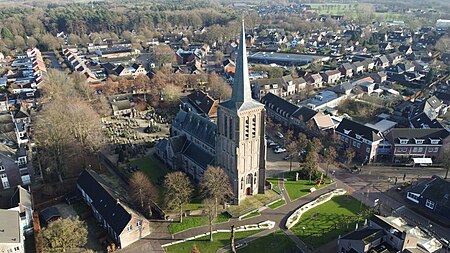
(277, 204)
(250, 215)
(193, 222)
(275, 242)
(326, 222)
(300, 188)
(206, 246)
(153, 168)
(251, 203)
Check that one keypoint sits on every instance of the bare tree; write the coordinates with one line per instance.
(218, 87)
(310, 165)
(443, 44)
(349, 155)
(330, 156)
(163, 54)
(143, 192)
(178, 191)
(215, 185)
(211, 214)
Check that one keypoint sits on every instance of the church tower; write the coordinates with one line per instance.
(240, 142)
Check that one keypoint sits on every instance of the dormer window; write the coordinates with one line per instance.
(419, 141)
(358, 137)
(434, 141)
(346, 131)
(403, 141)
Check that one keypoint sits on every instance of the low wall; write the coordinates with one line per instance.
(295, 216)
(262, 225)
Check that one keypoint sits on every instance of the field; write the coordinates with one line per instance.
(326, 222)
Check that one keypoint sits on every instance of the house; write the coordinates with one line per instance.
(379, 77)
(331, 76)
(388, 234)
(11, 233)
(346, 70)
(19, 199)
(382, 62)
(408, 143)
(394, 58)
(361, 240)
(405, 49)
(279, 109)
(432, 107)
(367, 87)
(343, 88)
(369, 64)
(202, 103)
(123, 224)
(314, 79)
(122, 108)
(432, 195)
(363, 139)
(385, 47)
(358, 68)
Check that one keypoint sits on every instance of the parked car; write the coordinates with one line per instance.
(273, 144)
(279, 150)
(280, 135)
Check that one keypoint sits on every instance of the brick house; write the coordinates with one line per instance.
(363, 139)
(122, 223)
(416, 142)
(346, 70)
(331, 76)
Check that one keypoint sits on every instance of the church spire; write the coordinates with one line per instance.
(241, 86)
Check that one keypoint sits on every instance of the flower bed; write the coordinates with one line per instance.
(295, 217)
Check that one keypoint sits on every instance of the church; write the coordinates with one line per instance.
(236, 143)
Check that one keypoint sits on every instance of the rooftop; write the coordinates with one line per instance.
(9, 226)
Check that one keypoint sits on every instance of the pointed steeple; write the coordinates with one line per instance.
(241, 86)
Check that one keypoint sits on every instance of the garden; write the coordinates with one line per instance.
(275, 242)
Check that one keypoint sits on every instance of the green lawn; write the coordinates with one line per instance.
(275, 242)
(250, 215)
(300, 188)
(206, 246)
(153, 168)
(193, 222)
(275, 186)
(277, 204)
(326, 222)
(251, 203)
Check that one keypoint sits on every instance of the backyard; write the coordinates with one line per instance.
(276, 242)
(204, 245)
(327, 221)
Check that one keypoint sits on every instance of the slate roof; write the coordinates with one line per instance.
(417, 133)
(105, 200)
(304, 113)
(198, 155)
(444, 96)
(436, 189)
(356, 128)
(273, 102)
(204, 102)
(423, 121)
(366, 235)
(199, 127)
